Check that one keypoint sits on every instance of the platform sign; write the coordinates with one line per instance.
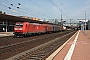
(82, 22)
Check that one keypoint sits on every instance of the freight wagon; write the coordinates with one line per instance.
(56, 28)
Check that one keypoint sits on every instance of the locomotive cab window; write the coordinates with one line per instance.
(19, 25)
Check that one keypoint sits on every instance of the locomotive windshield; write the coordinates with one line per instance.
(19, 25)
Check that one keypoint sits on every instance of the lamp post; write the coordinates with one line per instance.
(85, 21)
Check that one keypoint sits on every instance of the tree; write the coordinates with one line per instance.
(4, 13)
(0, 12)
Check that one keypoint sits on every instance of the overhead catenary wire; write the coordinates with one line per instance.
(9, 9)
(15, 7)
(19, 11)
(64, 7)
(58, 8)
(25, 9)
(33, 11)
(42, 7)
(30, 10)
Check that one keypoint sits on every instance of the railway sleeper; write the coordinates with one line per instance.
(39, 55)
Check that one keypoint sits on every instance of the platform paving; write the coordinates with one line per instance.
(75, 49)
(3, 34)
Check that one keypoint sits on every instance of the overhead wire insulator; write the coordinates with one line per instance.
(11, 4)
(9, 7)
(19, 4)
(18, 7)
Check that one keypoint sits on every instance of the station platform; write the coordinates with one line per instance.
(76, 48)
(3, 34)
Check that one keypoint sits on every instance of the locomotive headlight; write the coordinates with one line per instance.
(20, 28)
(17, 28)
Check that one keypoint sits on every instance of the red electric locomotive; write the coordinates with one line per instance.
(24, 29)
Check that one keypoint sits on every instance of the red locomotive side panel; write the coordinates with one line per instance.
(30, 28)
(35, 28)
(42, 28)
(25, 27)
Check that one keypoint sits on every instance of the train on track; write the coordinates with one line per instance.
(23, 29)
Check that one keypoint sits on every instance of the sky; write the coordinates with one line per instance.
(48, 9)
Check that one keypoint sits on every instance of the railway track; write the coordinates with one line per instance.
(43, 51)
(9, 41)
(13, 49)
(5, 41)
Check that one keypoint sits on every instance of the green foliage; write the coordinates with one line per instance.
(0, 12)
(4, 13)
